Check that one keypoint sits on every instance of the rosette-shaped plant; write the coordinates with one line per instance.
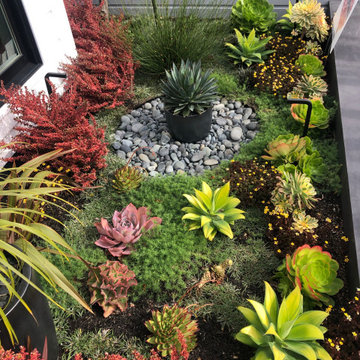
(313, 48)
(187, 91)
(312, 86)
(127, 178)
(253, 14)
(286, 332)
(250, 49)
(127, 228)
(213, 211)
(165, 325)
(303, 222)
(287, 148)
(109, 284)
(314, 271)
(310, 16)
(312, 165)
(310, 65)
(319, 115)
(297, 189)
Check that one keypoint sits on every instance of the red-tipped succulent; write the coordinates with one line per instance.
(126, 230)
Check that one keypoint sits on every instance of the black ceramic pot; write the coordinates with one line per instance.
(191, 128)
(28, 330)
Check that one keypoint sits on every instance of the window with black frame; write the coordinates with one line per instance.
(19, 56)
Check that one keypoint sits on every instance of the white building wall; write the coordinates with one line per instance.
(52, 33)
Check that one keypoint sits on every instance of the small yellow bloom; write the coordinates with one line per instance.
(328, 220)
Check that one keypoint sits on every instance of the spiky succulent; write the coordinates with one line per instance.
(310, 16)
(312, 86)
(213, 211)
(284, 332)
(127, 178)
(253, 14)
(109, 284)
(310, 65)
(250, 49)
(304, 223)
(187, 91)
(297, 189)
(127, 228)
(319, 114)
(287, 148)
(313, 48)
(314, 271)
(165, 325)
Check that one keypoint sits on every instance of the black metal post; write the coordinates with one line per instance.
(308, 113)
(52, 74)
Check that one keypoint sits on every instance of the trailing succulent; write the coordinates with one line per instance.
(284, 332)
(187, 91)
(319, 114)
(213, 211)
(314, 271)
(310, 65)
(109, 284)
(253, 14)
(165, 326)
(294, 191)
(250, 49)
(310, 17)
(127, 228)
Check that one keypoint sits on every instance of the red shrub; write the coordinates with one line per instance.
(103, 71)
(53, 122)
(21, 355)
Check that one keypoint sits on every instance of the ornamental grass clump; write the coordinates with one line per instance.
(109, 284)
(213, 211)
(165, 326)
(284, 332)
(314, 271)
(253, 14)
(187, 91)
(128, 225)
(249, 50)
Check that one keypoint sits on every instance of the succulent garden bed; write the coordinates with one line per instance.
(252, 211)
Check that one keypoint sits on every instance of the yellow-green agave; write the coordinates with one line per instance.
(213, 211)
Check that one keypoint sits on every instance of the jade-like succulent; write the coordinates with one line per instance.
(319, 115)
(314, 271)
(297, 189)
(109, 284)
(253, 14)
(127, 228)
(303, 223)
(250, 49)
(310, 16)
(213, 211)
(284, 332)
(310, 65)
(187, 91)
(312, 86)
(165, 325)
(287, 148)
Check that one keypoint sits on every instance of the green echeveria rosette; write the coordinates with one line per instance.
(315, 272)
(310, 65)
(319, 115)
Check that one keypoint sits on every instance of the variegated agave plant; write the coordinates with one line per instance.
(127, 228)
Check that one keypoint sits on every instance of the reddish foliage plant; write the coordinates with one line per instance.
(47, 123)
(103, 71)
(21, 355)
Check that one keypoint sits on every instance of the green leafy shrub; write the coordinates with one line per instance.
(286, 332)
(310, 65)
(165, 325)
(187, 91)
(319, 114)
(227, 84)
(109, 284)
(253, 14)
(293, 192)
(213, 211)
(314, 271)
(250, 49)
(183, 32)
